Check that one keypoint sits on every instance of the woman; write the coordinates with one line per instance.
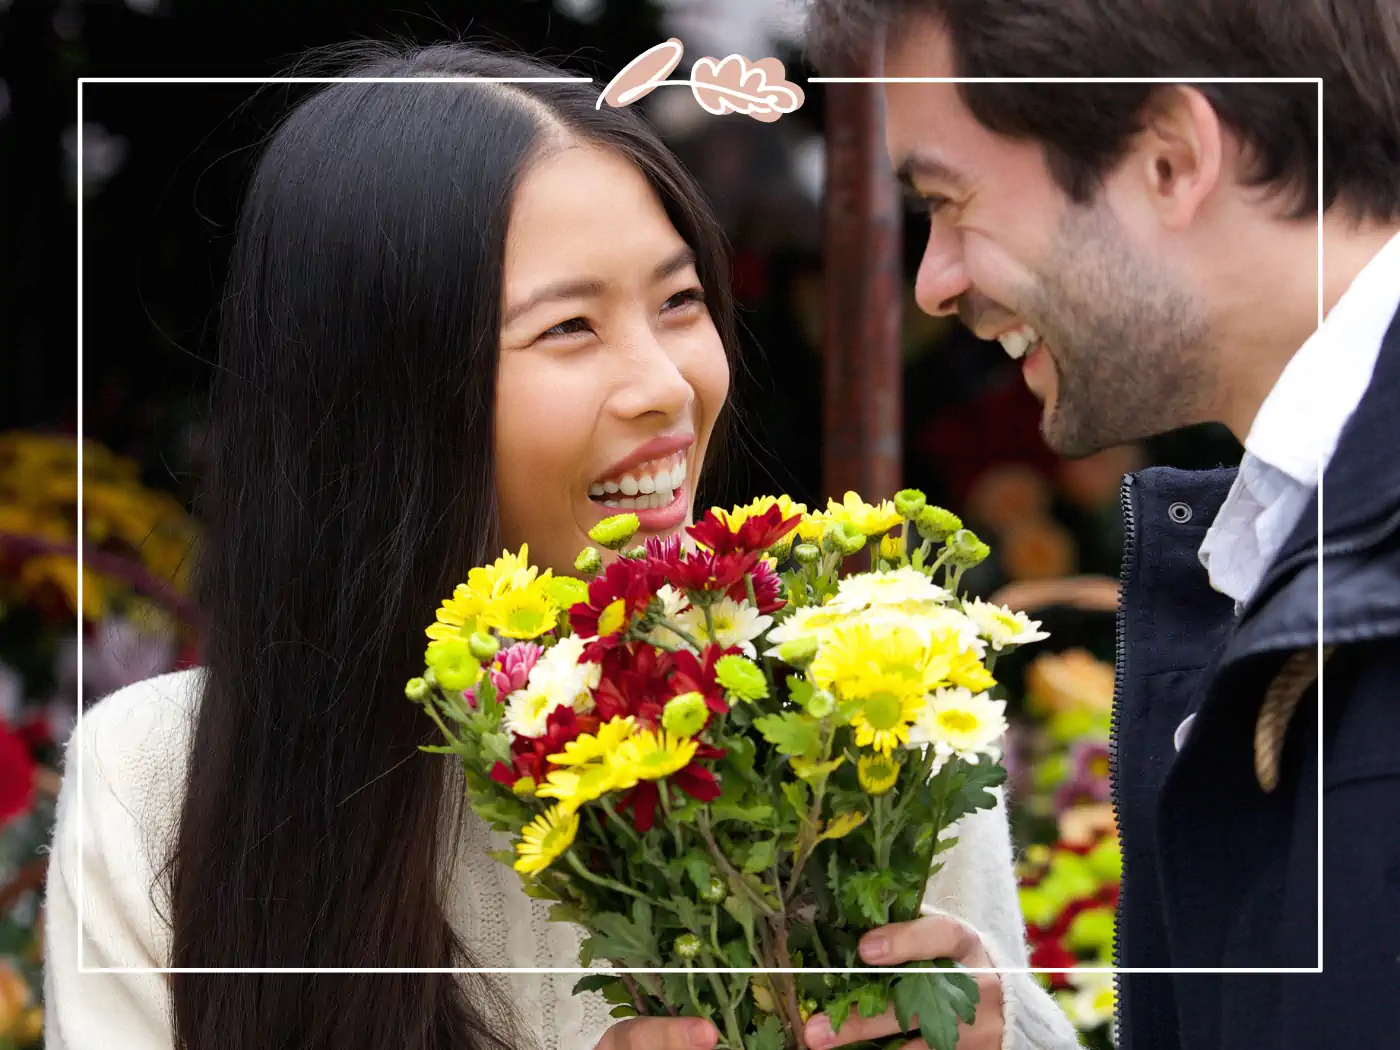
(454, 314)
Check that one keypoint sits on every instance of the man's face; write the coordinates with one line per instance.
(1110, 339)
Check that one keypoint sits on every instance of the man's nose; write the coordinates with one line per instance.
(942, 277)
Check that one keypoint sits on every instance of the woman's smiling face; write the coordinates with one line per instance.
(611, 370)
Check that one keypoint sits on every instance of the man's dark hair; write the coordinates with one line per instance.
(1353, 45)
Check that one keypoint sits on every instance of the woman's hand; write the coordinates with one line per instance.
(931, 937)
(660, 1033)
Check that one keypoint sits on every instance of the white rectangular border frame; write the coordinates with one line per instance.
(83, 969)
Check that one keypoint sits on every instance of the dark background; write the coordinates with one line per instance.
(165, 164)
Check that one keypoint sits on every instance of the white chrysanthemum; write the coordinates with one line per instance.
(933, 622)
(1002, 627)
(562, 672)
(809, 621)
(959, 722)
(735, 623)
(672, 602)
(893, 587)
(528, 710)
(1092, 1001)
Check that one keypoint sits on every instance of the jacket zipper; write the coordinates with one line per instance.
(1119, 659)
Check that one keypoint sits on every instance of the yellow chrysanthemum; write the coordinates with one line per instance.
(651, 755)
(589, 747)
(873, 520)
(577, 785)
(522, 614)
(967, 670)
(877, 773)
(857, 651)
(812, 527)
(544, 840)
(61, 572)
(461, 615)
(887, 711)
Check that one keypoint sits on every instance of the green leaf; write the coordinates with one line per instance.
(624, 941)
(496, 746)
(595, 982)
(872, 999)
(768, 1035)
(870, 892)
(502, 813)
(796, 793)
(838, 1009)
(761, 856)
(791, 733)
(623, 1010)
(761, 813)
(800, 690)
(697, 867)
(937, 1001)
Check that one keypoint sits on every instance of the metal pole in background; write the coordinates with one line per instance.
(863, 285)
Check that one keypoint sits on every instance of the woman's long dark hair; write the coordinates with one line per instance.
(350, 487)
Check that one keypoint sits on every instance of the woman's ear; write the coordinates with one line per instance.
(1180, 153)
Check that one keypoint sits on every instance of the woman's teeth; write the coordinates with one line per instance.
(653, 484)
(1018, 342)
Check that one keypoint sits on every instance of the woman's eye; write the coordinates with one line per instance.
(573, 326)
(683, 299)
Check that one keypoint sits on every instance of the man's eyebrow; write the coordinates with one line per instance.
(591, 288)
(924, 165)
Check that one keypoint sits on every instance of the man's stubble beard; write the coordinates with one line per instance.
(1128, 343)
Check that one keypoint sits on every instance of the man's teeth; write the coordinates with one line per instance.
(1018, 342)
(651, 485)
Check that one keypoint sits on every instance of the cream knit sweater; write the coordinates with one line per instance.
(108, 843)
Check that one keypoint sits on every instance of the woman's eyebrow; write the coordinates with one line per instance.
(675, 264)
(586, 288)
(574, 289)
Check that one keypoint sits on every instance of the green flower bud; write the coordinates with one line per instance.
(715, 892)
(798, 652)
(589, 562)
(741, 677)
(633, 554)
(937, 524)
(829, 980)
(417, 690)
(483, 646)
(430, 679)
(453, 664)
(908, 503)
(821, 704)
(688, 946)
(614, 532)
(806, 553)
(685, 715)
(965, 550)
(846, 537)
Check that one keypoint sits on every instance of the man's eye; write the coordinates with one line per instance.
(572, 326)
(933, 204)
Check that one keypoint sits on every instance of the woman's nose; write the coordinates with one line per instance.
(653, 381)
(942, 277)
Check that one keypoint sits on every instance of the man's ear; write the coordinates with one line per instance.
(1179, 153)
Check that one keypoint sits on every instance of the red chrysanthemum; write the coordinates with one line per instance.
(695, 780)
(755, 535)
(16, 774)
(703, 571)
(692, 675)
(529, 754)
(615, 599)
(767, 588)
(1048, 953)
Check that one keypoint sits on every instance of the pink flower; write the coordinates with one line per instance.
(510, 671)
(513, 664)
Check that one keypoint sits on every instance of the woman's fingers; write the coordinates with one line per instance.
(855, 1029)
(660, 1033)
(923, 940)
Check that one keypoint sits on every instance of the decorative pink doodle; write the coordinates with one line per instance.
(730, 85)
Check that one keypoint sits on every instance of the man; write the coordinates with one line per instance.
(1150, 254)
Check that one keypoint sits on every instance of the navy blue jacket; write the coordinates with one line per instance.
(1218, 871)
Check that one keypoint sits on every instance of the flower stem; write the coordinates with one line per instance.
(613, 884)
(726, 1004)
(683, 634)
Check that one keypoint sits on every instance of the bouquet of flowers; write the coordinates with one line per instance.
(727, 754)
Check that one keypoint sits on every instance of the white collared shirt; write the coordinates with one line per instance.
(1297, 429)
